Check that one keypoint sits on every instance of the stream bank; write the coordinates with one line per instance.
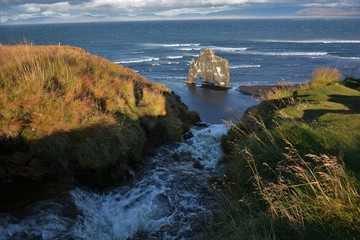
(170, 199)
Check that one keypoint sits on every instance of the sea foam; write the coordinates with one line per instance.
(150, 59)
(231, 49)
(325, 41)
(245, 66)
(287, 53)
(174, 57)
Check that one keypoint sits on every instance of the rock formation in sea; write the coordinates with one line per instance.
(209, 67)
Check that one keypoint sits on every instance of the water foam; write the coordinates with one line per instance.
(174, 57)
(170, 200)
(48, 222)
(289, 53)
(230, 49)
(325, 41)
(149, 59)
(181, 45)
(190, 49)
(165, 198)
(349, 58)
(245, 66)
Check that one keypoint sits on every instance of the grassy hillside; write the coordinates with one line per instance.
(62, 108)
(294, 165)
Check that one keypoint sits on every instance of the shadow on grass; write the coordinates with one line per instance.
(352, 83)
(350, 151)
(49, 167)
(351, 102)
(97, 156)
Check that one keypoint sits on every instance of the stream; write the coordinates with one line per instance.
(170, 199)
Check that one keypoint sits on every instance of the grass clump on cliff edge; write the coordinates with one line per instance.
(70, 108)
(294, 166)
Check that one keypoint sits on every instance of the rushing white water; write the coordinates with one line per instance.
(171, 200)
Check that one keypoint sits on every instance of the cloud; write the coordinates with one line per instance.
(104, 10)
(341, 3)
(202, 11)
(23, 2)
(31, 8)
(329, 12)
(43, 8)
(14, 9)
(128, 5)
(321, 5)
(140, 3)
(330, 8)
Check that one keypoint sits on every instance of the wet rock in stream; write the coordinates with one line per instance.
(170, 199)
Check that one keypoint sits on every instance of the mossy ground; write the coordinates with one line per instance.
(294, 164)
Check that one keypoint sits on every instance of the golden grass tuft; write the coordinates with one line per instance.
(152, 104)
(50, 90)
(65, 85)
(312, 189)
(325, 75)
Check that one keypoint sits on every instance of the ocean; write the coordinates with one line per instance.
(259, 51)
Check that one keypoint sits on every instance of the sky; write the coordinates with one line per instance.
(52, 11)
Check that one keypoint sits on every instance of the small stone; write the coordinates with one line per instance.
(198, 165)
(201, 124)
(188, 135)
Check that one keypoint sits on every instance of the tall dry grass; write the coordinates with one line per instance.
(289, 190)
(49, 90)
(325, 75)
(314, 188)
(283, 179)
(64, 85)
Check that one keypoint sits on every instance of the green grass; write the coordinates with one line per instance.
(71, 108)
(294, 160)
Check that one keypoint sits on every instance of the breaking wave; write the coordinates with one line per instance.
(181, 45)
(174, 57)
(190, 49)
(245, 66)
(289, 53)
(230, 49)
(325, 41)
(138, 60)
(349, 58)
(173, 45)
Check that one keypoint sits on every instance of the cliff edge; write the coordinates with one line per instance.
(71, 116)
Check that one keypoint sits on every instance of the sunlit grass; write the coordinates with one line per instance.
(56, 98)
(294, 161)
